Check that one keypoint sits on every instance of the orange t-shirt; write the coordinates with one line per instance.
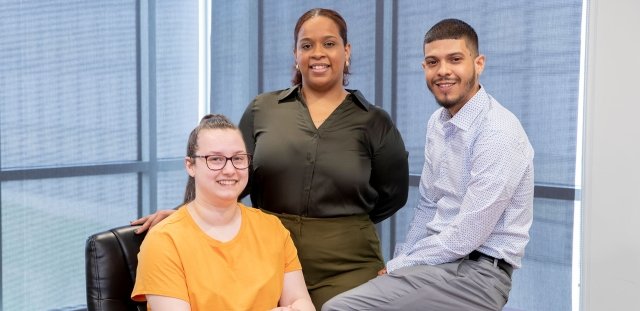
(177, 259)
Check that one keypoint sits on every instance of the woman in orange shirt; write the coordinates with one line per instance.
(213, 253)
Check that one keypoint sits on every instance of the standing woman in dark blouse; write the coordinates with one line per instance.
(327, 162)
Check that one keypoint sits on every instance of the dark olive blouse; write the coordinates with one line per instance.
(354, 163)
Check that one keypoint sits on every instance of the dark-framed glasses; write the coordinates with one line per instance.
(216, 162)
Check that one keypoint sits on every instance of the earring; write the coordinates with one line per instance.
(347, 63)
(298, 69)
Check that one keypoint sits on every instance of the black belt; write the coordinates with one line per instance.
(505, 266)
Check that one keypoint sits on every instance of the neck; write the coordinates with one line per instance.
(335, 95)
(455, 108)
(222, 224)
(208, 214)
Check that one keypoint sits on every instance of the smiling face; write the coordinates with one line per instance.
(451, 72)
(321, 54)
(221, 187)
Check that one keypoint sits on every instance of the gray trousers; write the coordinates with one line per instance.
(461, 285)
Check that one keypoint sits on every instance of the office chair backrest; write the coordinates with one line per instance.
(111, 260)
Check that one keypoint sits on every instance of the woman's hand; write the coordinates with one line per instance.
(151, 220)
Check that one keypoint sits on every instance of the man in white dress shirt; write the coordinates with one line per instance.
(472, 221)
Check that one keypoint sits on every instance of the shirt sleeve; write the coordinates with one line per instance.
(423, 214)
(159, 269)
(499, 163)
(389, 175)
(247, 130)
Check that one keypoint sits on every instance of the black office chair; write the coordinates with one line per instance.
(111, 260)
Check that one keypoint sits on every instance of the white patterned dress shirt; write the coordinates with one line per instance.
(476, 189)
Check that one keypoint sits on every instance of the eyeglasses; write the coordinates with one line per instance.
(218, 162)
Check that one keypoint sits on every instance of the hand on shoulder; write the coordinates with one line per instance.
(151, 220)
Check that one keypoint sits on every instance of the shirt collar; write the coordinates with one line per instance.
(469, 112)
(356, 97)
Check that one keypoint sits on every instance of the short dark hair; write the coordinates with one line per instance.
(452, 28)
(342, 27)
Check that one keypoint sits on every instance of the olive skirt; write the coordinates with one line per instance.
(337, 254)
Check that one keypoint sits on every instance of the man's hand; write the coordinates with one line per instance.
(151, 220)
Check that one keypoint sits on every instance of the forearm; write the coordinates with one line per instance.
(451, 240)
(392, 197)
(163, 303)
(416, 232)
(390, 178)
(294, 292)
(303, 304)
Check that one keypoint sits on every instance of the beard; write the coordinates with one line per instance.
(447, 101)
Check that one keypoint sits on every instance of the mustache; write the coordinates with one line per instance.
(445, 80)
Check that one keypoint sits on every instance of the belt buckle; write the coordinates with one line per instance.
(495, 262)
(476, 255)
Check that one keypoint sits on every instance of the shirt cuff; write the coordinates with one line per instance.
(396, 263)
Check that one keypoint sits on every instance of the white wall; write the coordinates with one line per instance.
(611, 184)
